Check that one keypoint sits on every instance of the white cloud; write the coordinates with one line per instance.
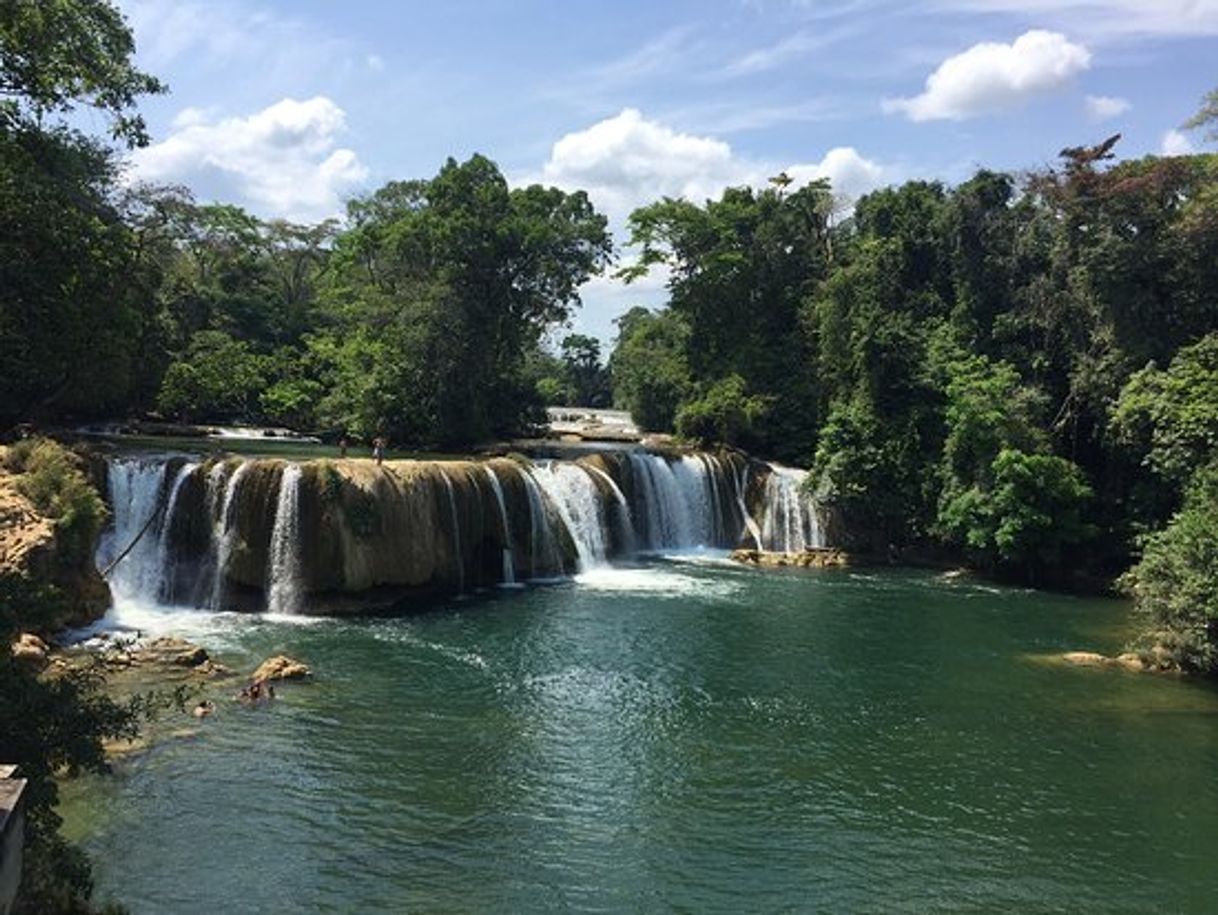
(1109, 18)
(1105, 107)
(990, 77)
(375, 62)
(1176, 143)
(627, 160)
(281, 161)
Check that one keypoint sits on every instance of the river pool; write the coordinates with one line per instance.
(679, 734)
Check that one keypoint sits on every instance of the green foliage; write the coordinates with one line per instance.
(650, 371)
(52, 479)
(740, 269)
(1173, 414)
(217, 376)
(725, 412)
(70, 313)
(52, 726)
(440, 290)
(1175, 584)
(57, 54)
(1033, 511)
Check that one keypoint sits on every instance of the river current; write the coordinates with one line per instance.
(675, 734)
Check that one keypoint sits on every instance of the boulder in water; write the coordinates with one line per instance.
(813, 557)
(281, 667)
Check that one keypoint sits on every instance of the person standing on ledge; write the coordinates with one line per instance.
(378, 449)
(342, 447)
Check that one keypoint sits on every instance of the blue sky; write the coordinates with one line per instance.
(290, 107)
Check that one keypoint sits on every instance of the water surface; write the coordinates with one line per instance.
(678, 736)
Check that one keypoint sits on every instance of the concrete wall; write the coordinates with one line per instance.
(12, 837)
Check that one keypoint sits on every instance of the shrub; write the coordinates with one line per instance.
(50, 476)
(1175, 584)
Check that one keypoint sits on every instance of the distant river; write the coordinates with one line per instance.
(680, 736)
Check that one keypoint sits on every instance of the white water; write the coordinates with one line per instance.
(164, 557)
(135, 488)
(621, 508)
(542, 543)
(575, 497)
(678, 506)
(284, 585)
(679, 499)
(509, 573)
(225, 534)
(742, 483)
(789, 523)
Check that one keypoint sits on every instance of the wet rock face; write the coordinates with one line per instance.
(356, 536)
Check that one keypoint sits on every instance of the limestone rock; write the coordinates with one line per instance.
(31, 649)
(815, 558)
(1085, 659)
(281, 667)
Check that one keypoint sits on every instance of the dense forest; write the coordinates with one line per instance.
(1022, 370)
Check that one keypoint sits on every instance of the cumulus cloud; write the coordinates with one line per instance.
(628, 160)
(1105, 107)
(1176, 143)
(280, 161)
(991, 77)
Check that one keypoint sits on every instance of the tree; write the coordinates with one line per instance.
(459, 277)
(649, 367)
(1172, 415)
(1175, 583)
(740, 269)
(725, 413)
(58, 54)
(588, 379)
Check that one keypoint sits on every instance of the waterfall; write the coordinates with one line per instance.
(225, 534)
(541, 534)
(135, 489)
(458, 556)
(165, 561)
(509, 573)
(578, 502)
(284, 587)
(789, 524)
(742, 484)
(621, 506)
(680, 502)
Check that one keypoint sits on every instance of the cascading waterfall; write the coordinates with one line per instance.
(621, 507)
(789, 524)
(206, 527)
(135, 491)
(226, 534)
(458, 556)
(164, 558)
(742, 483)
(509, 572)
(284, 591)
(577, 500)
(542, 543)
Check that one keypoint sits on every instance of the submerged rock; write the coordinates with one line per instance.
(281, 667)
(1154, 661)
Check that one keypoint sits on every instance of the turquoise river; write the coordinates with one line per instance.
(676, 734)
